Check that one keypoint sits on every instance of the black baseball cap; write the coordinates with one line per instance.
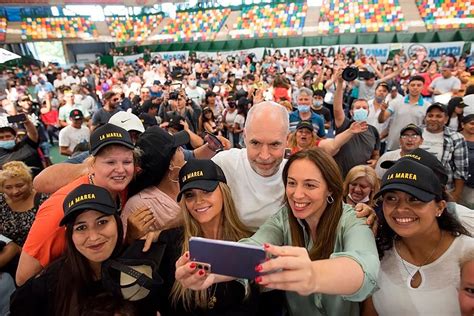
(305, 124)
(437, 105)
(158, 146)
(109, 134)
(413, 178)
(468, 118)
(457, 102)
(200, 174)
(411, 127)
(87, 197)
(76, 114)
(425, 158)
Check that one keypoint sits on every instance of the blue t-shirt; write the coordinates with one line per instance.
(316, 119)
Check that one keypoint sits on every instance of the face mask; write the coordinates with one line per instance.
(364, 200)
(192, 83)
(7, 144)
(303, 108)
(379, 99)
(317, 103)
(360, 115)
(238, 87)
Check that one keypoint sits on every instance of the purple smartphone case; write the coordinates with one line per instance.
(227, 258)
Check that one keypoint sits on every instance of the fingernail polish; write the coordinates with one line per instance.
(201, 272)
(258, 279)
(259, 268)
(186, 254)
(266, 245)
(192, 266)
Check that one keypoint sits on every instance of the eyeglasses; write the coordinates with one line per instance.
(414, 136)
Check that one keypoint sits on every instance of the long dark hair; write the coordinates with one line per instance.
(447, 222)
(75, 274)
(325, 240)
(451, 108)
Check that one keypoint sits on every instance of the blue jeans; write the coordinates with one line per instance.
(7, 287)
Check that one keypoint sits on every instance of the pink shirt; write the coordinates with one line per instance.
(164, 208)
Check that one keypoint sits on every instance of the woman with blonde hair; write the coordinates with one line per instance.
(208, 211)
(360, 185)
(19, 203)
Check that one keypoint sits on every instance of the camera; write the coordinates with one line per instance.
(174, 95)
(352, 73)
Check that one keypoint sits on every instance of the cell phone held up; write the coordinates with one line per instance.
(225, 257)
(20, 118)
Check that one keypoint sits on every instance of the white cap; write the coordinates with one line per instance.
(128, 121)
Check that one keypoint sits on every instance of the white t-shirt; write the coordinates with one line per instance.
(256, 198)
(437, 295)
(71, 136)
(433, 143)
(197, 94)
(393, 155)
(373, 118)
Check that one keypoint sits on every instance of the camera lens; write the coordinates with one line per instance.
(350, 74)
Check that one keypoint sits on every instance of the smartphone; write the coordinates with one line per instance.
(16, 118)
(287, 153)
(214, 142)
(226, 257)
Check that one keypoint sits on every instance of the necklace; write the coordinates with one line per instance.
(412, 277)
(212, 299)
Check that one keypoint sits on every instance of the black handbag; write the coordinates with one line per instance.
(134, 274)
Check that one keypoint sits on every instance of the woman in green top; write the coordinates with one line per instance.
(323, 256)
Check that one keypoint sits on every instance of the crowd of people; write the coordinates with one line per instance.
(356, 177)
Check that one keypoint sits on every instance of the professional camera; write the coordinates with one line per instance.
(352, 73)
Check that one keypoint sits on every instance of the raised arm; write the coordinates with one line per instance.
(339, 115)
(332, 146)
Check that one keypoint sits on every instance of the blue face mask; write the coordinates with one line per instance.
(7, 144)
(360, 115)
(304, 108)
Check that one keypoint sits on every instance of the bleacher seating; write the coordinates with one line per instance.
(58, 28)
(341, 16)
(446, 14)
(3, 29)
(134, 28)
(194, 26)
(283, 19)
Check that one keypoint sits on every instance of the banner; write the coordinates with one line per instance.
(127, 59)
(432, 50)
(240, 54)
(183, 54)
(379, 51)
(329, 51)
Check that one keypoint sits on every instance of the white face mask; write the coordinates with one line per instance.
(364, 200)
(192, 83)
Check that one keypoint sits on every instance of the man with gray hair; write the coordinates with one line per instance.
(254, 173)
(304, 99)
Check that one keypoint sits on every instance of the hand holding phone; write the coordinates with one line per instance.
(226, 257)
(20, 118)
(213, 142)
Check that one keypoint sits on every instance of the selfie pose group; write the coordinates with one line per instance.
(162, 214)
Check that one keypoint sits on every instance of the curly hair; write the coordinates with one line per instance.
(15, 169)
